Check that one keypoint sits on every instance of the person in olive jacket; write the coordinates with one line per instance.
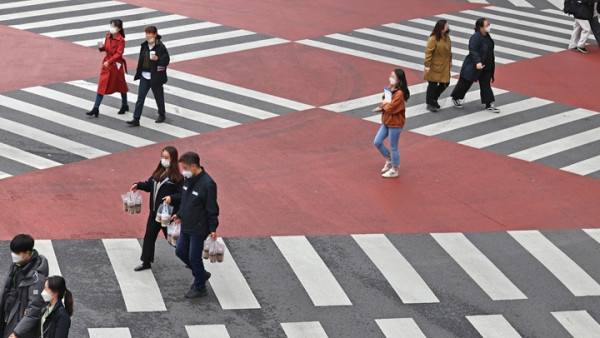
(199, 217)
(164, 184)
(152, 73)
(438, 61)
(56, 317)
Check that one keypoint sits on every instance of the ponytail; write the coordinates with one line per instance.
(58, 285)
(68, 300)
(158, 36)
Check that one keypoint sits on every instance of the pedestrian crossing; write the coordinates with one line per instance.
(45, 126)
(538, 4)
(527, 128)
(518, 34)
(85, 22)
(391, 267)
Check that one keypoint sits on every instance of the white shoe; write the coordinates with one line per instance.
(387, 166)
(390, 173)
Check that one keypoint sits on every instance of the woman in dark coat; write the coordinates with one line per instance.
(479, 65)
(56, 317)
(165, 182)
(112, 74)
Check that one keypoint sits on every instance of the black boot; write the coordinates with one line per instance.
(123, 109)
(134, 123)
(94, 112)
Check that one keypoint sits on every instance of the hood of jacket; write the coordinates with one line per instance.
(32, 269)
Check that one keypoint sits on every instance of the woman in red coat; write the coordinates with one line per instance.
(112, 74)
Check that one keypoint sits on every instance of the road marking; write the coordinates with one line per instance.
(584, 167)
(557, 146)
(400, 328)
(304, 330)
(398, 272)
(26, 3)
(318, 281)
(521, 3)
(227, 49)
(83, 18)
(594, 233)
(139, 288)
(579, 323)
(518, 21)
(46, 249)
(58, 10)
(4, 175)
(207, 331)
(493, 326)
(26, 158)
(113, 332)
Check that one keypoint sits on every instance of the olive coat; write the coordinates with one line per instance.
(438, 56)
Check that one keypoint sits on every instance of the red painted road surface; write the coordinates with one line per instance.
(311, 173)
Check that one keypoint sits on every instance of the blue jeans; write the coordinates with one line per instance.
(394, 134)
(99, 98)
(189, 250)
(159, 96)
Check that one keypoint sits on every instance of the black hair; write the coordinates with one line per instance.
(479, 23)
(153, 30)
(438, 28)
(402, 85)
(58, 285)
(119, 24)
(22, 243)
(190, 158)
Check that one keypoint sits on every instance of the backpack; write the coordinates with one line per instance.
(571, 6)
(580, 9)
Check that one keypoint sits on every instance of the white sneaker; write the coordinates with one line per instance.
(390, 173)
(387, 166)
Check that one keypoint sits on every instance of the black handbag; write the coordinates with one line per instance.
(580, 9)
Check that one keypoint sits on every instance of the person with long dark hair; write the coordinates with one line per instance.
(480, 66)
(114, 66)
(438, 61)
(56, 317)
(165, 182)
(152, 73)
(393, 117)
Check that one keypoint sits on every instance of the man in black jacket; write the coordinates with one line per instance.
(198, 214)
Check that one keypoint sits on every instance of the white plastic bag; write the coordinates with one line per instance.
(176, 232)
(207, 243)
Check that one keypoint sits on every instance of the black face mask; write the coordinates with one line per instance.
(448, 32)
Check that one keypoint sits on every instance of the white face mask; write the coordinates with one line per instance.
(46, 296)
(112, 30)
(151, 40)
(488, 29)
(16, 258)
(392, 81)
(187, 174)
(165, 163)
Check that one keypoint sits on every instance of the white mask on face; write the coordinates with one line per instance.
(165, 163)
(46, 296)
(151, 40)
(16, 258)
(392, 81)
(187, 174)
(488, 29)
(112, 30)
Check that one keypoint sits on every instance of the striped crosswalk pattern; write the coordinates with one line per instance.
(537, 4)
(84, 23)
(493, 326)
(400, 328)
(112, 332)
(579, 323)
(213, 331)
(304, 330)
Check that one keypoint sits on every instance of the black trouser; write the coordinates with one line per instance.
(485, 87)
(434, 90)
(152, 229)
(595, 25)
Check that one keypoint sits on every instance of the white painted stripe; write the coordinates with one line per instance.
(102, 28)
(478, 1)
(579, 323)
(527, 16)
(46, 249)
(227, 49)
(400, 328)
(493, 326)
(594, 233)
(170, 108)
(163, 31)
(207, 331)
(4, 175)
(74, 123)
(26, 158)
(557, 3)
(558, 263)
(527, 128)
(524, 22)
(26, 3)
(521, 3)
(139, 288)
(83, 18)
(75, 101)
(304, 330)
(238, 90)
(403, 278)
(584, 167)
(58, 10)
(478, 266)
(320, 284)
(230, 286)
(51, 139)
(112, 332)
(557, 146)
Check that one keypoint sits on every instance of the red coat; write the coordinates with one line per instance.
(112, 78)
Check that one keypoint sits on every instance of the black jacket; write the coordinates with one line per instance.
(21, 304)
(198, 210)
(478, 52)
(167, 188)
(158, 75)
(57, 323)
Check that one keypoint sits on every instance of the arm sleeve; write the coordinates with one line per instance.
(145, 186)
(63, 325)
(397, 105)
(163, 59)
(474, 43)
(119, 53)
(431, 44)
(176, 197)
(34, 309)
(212, 208)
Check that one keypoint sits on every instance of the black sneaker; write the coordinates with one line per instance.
(437, 105)
(206, 278)
(160, 119)
(582, 50)
(134, 123)
(457, 103)
(193, 293)
(142, 267)
(573, 48)
(431, 108)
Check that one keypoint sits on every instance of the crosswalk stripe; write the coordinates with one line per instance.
(527, 128)
(518, 21)
(304, 330)
(557, 3)
(112, 332)
(478, 266)
(318, 281)
(207, 331)
(528, 15)
(46, 249)
(493, 326)
(72, 122)
(557, 146)
(83, 18)
(139, 288)
(594, 233)
(27, 3)
(403, 278)
(4, 175)
(558, 263)
(26, 158)
(400, 328)
(58, 10)
(227, 49)
(521, 3)
(230, 286)
(479, 1)
(579, 323)
(584, 167)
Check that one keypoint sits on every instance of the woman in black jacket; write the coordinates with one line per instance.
(152, 73)
(165, 182)
(56, 317)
